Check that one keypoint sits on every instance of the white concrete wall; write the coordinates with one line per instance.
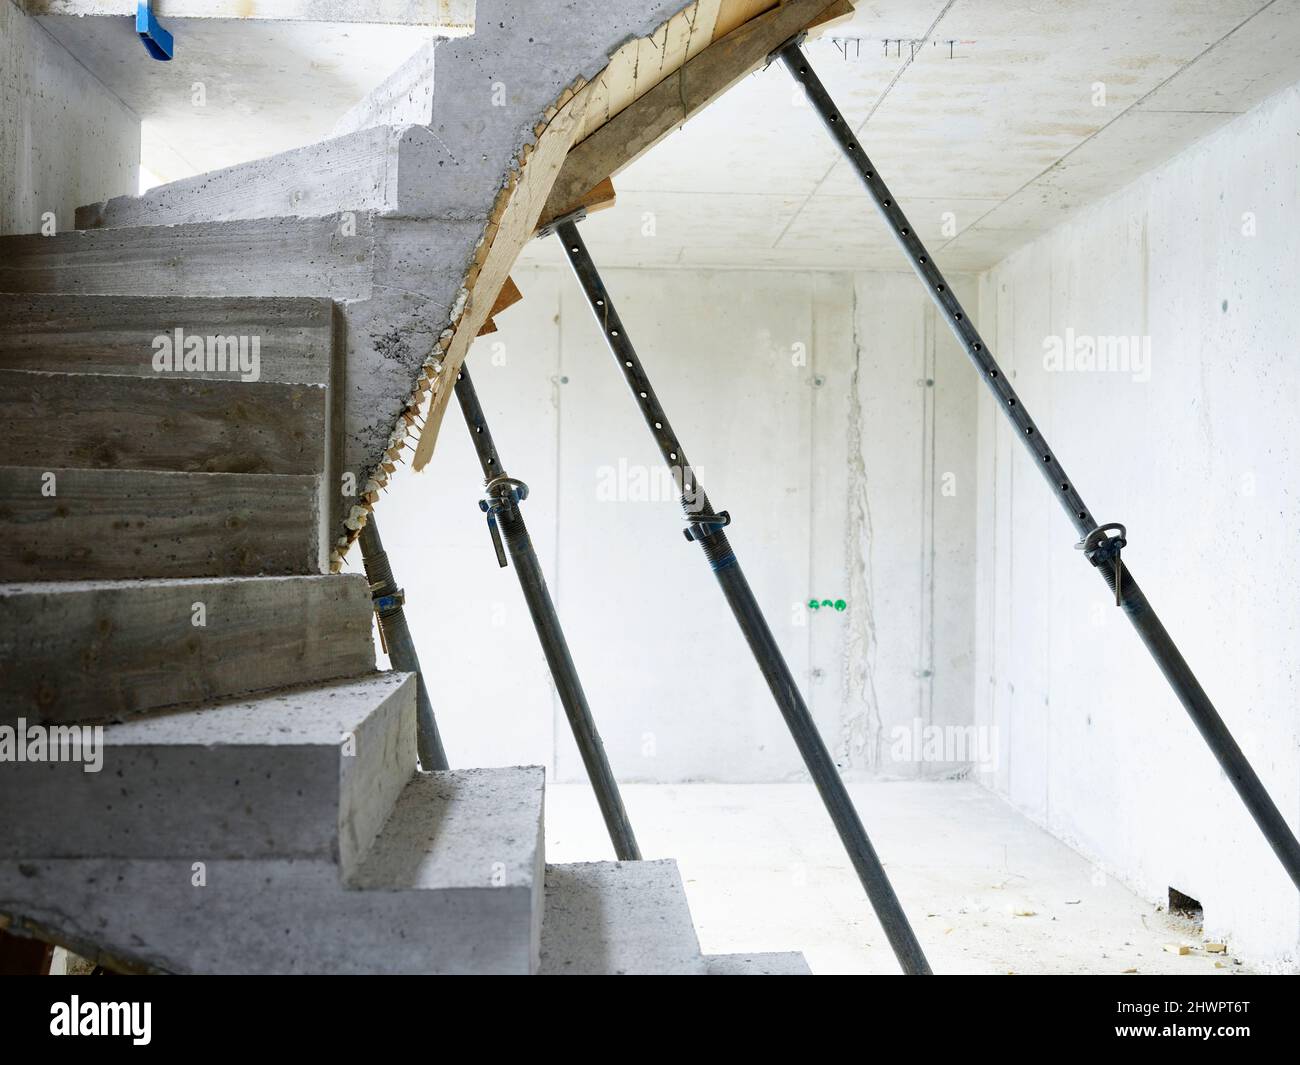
(65, 140)
(832, 466)
(1200, 462)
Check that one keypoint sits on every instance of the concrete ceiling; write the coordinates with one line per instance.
(980, 114)
(981, 110)
(267, 85)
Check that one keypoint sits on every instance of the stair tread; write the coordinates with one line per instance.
(349, 171)
(311, 715)
(773, 963)
(467, 828)
(618, 918)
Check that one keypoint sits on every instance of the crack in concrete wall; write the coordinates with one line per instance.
(861, 725)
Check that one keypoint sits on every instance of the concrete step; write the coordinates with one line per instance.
(404, 98)
(166, 422)
(329, 256)
(777, 963)
(452, 885)
(356, 171)
(399, 283)
(308, 773)
(96, 650)
(117, 335)
(398, 170)
(78, 524)
(618, 918)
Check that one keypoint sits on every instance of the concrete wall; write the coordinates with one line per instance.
(65, 140)
(1199, 256)
(822, 410)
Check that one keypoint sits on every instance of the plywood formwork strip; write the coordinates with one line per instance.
(702, 27)
(519, 208)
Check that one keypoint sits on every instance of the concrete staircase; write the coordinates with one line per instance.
(204, 392)
(255, 803)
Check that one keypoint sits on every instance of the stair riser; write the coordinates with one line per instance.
(173, 423)
(120, 524)
(377, 762)
(453, 884)
(196, 801)
(95, 651)
(116, 335)
(405, 97)
(267, 917)
(618, 918)
(270, 257)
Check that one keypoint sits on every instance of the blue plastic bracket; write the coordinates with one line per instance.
(157, 41)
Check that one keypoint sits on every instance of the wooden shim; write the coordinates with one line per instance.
(596, 199)
(507, 297)
(488, 327)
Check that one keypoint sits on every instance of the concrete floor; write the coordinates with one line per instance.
(986, 889)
